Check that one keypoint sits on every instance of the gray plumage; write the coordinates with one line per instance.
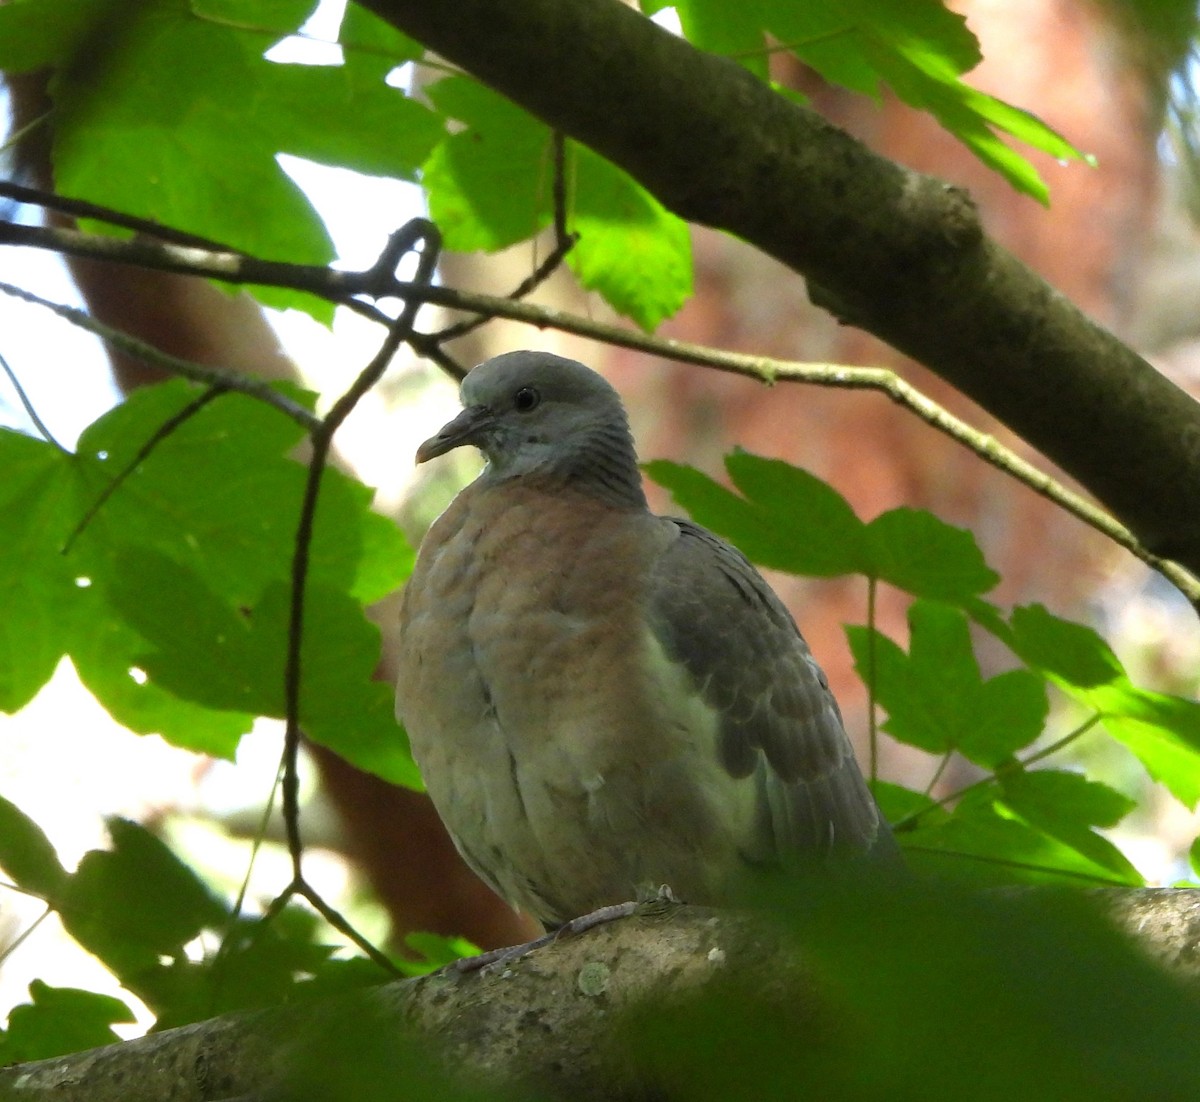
(602, 700)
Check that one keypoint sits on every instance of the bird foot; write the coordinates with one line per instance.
(493, 957)
(589, 921)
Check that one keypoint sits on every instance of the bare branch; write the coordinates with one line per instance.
(218, 377)
(30, 410)
(81, 208)
(564, 242)
(377, 281)
(403, 241)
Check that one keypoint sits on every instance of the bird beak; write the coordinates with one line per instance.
(464, 429)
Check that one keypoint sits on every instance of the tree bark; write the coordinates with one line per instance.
(546, 1022)
(891, 251)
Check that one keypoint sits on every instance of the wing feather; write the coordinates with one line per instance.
(714, 614)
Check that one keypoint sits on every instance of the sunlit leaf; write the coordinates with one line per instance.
(936, 697)
(1162, 730)
(631, 249)
(789, 519)
(137, 903)
(37, 585)
(59, 1020)
(1067, 806)
(27, 855)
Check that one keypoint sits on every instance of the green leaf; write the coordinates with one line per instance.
(37, 585)
(1073, 655)
(1014, 709)
(979, 844)
(107, 653)
(789, 519)
(898, 802)
(136, 903)
(259, 964)
(200, 647)
(38, 33)
(1067, 806)
(971, 116)
(826, 36)
(182, 626)
(269, 18)
(631, 249)
(923, 555)
(178, 125)
(731, 30)
(937, 699)
(910, 965)
(387, 557)
(332, 115)
(175, 115)
(435, 952)
(221, 496)
(912, 714)
(920, 49)
(1162, 730)
(371, 42)
(342, 704)
(490, 184)
(60, 1020)
(228, 658)
(354, 1056)
(709, 503)
(27, 855)
(823, 535)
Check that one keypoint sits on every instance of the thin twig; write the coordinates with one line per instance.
(1024, 866)
(219, 377)
(418, 231)
(344, 927)
(235, 912)
(564, 242)
(872, 700)
(25, 934)
(1066, 740)
(13, 139)
(937, 773)
(562, 236)
(30, 412)
(428, 346)
(81, 208)
(1076, 732)
(341, 287)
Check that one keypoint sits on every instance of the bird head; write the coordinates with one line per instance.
(536, 413)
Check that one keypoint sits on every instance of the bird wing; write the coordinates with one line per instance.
(780, 727)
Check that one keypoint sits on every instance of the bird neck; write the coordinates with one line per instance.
(600, 464)
(606, 468)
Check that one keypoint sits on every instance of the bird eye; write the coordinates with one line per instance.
(526, 399)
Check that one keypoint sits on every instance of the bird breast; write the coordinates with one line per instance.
(571, 759)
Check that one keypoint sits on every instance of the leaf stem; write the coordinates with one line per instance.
(907, 822)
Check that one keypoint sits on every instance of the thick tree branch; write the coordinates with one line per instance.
(545, 1021)
(894, 252)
